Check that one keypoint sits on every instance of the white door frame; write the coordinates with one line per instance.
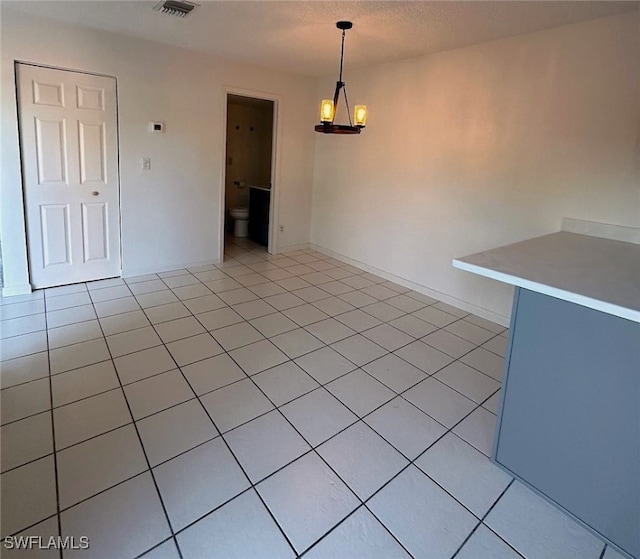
(272, 246)
(16, 64)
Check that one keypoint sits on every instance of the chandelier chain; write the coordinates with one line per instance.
(342, 54)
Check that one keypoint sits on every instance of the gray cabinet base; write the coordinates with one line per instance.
(569, 423)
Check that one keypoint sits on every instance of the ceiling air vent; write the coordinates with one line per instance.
(175, 7)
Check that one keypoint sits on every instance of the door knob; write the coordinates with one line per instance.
(95, 193)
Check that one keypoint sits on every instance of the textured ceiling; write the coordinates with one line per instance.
(300, 36)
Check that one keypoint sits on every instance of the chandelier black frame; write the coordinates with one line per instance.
(328, 111)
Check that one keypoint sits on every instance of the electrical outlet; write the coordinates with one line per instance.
(282, 229)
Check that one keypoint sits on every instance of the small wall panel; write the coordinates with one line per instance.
(51, 151)
(48, 94)
(56, 234)
(93, 156)
(95, 231)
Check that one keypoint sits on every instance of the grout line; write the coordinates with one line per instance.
(230, 450)
(481, 523)
(289, 359)
(314, 449)
(169, 539)
(53, 437)
(144, 451)
(269, 338)
(245, 320)
(252, 486)
(359, 507)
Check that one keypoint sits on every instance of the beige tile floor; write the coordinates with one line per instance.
(266, 407)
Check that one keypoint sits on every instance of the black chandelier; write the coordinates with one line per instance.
(328, 107)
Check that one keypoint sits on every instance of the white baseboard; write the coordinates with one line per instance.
(11, 291)
(444, 297)
(131, 273)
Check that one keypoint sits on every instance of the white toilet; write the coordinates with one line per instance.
(241, 221)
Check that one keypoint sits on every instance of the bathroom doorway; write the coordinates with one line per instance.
(249, 173)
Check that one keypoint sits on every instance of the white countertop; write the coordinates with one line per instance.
(597, 273)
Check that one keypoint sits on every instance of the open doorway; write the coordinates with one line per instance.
(248, 173)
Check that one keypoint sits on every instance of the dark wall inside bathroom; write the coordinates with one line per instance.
(249, 147)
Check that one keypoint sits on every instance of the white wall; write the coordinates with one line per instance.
(471, 149)
(170, 215)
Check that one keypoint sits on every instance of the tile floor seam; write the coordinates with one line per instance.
(8, 305)
(455, 389)
(144, 452)
(205, 515)
(70, 323)
(361, 506)
(474, 409)
(57, 407)
(183, 452)
(416, 339)
(464, 542)
(124, 480)
(480, 518)
(13, 468)
(14, 421)
(455, 360)
(228, 448)
(23, 355)
(412, 461)
(312, 449)
(129, 353)
(21, 333)
(360, 419)
(83, 366)
(75, 343)
(53, 294)
(18, 532)
(491, 351)
(327, 345)
(513, 480)
(21, 383)
(53, 437)
(102, 491)
(291, 359)
(142, 417)
(406, 467)
(268, 338)
(251, 483)
(196, 317)
(478, 370)
(156, 546)
(96, 436)
(112, 298)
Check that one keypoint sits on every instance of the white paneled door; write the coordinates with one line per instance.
(68, 135)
